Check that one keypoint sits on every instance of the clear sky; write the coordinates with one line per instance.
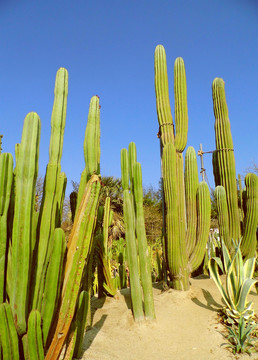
(108, 48)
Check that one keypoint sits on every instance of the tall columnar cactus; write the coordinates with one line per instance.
(136, 241)
(186, 202)
(78, 247)
(51, 209)
(225, 175)
(6, 179)
(224, 158)
(25, 181)
(91, 146)
(42, 279)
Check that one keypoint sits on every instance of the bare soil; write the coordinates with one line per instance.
(187, 327)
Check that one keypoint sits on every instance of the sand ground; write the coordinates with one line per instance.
(187, 327)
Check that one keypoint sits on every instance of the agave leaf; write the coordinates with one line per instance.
(232, 281)
(219, 263)
(228, 264)
(226, 256)
(249, 266)
(245, 289)
(213, 268)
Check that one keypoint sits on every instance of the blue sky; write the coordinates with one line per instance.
(108, 48)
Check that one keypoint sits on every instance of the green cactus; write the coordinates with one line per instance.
(54, 184)
(144, 256)
(136, 241)
(221, 202)
(91, 146)
(6, 179)
(81, 317)
(249, 241)
(186, 203)
(54, 277)
(78, 249)
(224, 158)
(34, 336)
(25, 181)
(8, 335)
(132, 257)
(225, 175)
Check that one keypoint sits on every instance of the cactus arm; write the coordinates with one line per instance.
(144, 257)
(58, 117)
(180, 196)
(203, 225)
(181, 112)
(191, 186)
(8, 334)
(25, 182)
(225, 159)
(162, 96)
(221, 201)
(82, 311)
(124, 169)
(60, 195)
(176, 262)
(78, 248)
(6, 179)
(106, 224)
(91, 140)
(248, 244)
(35, 341)
(91, 146)
(53, 281)
(132, 159)
(132, 257)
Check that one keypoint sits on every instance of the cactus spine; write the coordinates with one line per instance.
(225, 175)
(186, 229)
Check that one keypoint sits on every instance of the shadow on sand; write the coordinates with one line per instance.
(211, 304)
(91, 333)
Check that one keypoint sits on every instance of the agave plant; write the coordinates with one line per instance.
(241, 336)
(239, 282)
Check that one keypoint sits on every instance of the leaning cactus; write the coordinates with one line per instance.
(78, 247)
(186, 202)
(225, 175)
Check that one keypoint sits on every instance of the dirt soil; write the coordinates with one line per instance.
(187, 327)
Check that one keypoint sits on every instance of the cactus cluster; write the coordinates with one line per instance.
(135, 235)
(235, 222)
(186, 202)
(42, 296)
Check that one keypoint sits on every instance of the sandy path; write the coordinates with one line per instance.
(187, 327)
